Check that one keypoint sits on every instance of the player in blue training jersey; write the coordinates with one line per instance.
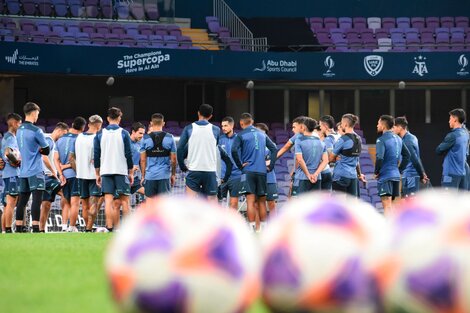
(311, 155)
(32, 144)
(329, 137)
(114, 167)
(53, 184)
(389, 148)
(64, 149)
(11, 157)
(158, 159)
(345, 155)
(271, 181)
(232, 185)
(249, 154)
(455, 151)
(297, 129)
(414, 171)
(198, 145)
(137, 135)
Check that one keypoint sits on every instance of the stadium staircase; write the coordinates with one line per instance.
(200, 38)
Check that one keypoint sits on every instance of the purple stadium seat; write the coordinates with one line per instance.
(413, 44)
(156, 39)
(212, 19)
(53, 38)
(161, 32)
(127, 41)
(330, 22)
(403, 22)
(45, 7)
(322, 31)
(117, 29)
(102, 28)
(69, 39)
(106, 8)
(60, 8)
(151, 11)
(447, 21)
(388, 22)
(112, 40)
(355, 44)
(370, 43)
(337, 33)
(13, 7)
(29, 7)
(345, 22)
(412, 33)
(427, 32)
(341, 45)
(351, 33)
(382, 33)
(398, 44)
(432, 22)
(428, 43)
(418, 22)
(316, 22)
(97, 39)
(442, 30)
(71, 28)
(137, 10)
(442, 43)
(43, 27)
(457, 44)
(76, 8)
(145, 29)
(83, 38)
(27, 26)
(324, 40)
(366, 34)
(171, 41)
(87, 27)
(397, 33)
(131, 30)
(122, 9)
(213, 27)
(359, 23)
(457, 32)
(374, 23)
(37, 37)
(91, 11)
(461, 21)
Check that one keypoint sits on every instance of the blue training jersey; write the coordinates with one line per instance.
(9, 141)
(64, 146)
(270, 176)
(388, 152)
(30, 140)
(158, 168)
(455, 149)
(252, 144)
(312, 149)
(135, 148)
(226, 143)
(411, 142)
(346, 165)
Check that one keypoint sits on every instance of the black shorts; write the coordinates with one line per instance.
(254, 183)
(202, 182)
(52, 188)
(326, 181)
(88, 188)
(307, 185)
(389, 188)
(70, 189)
(409, 186)
(347, 185)
(271, 192)
(116, 185)
(32, 183)
(156, 187)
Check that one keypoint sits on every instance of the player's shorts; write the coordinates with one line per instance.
(271, 192)
(115, 185)
(52, 188)
(233, 187)
(409, 186)
(202, 182)
(156, 187)
(326, 180)
(253, 183)
(10, 186)
(295, 188)
(70, 189)
(454, 181)
(88, 188)
(389, 188)
(307, 185)
(347, 185)
(32, 183)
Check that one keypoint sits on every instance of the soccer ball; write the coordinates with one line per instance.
(316, 255)
(14, 158)
(178, 254)
(428, 267)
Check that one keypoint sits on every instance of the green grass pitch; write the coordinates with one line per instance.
(46, 273)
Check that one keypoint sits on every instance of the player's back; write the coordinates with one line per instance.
(392, 145)
(348, 147)
(64, 146)
(202, 146)
(84, 156)
(252, 149)
(411, 142)
(455, 159)
(158, 166)
(30, 140)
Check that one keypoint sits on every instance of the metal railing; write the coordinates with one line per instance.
(238, 29)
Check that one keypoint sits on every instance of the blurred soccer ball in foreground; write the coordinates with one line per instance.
(183, 255)
(428, 266)
(317, 254)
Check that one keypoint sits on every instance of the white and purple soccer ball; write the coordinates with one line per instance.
(316, 255)
(427, 269)
(185, 255)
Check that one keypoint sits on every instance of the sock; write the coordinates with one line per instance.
(35, 228)
(88, 230)
(109, 229)
(7, 229)
(42, 231)
(19, 228)
(253, 226)
(262, 225)
(64, 226)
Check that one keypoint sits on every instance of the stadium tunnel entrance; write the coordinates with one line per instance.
(426, 105)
